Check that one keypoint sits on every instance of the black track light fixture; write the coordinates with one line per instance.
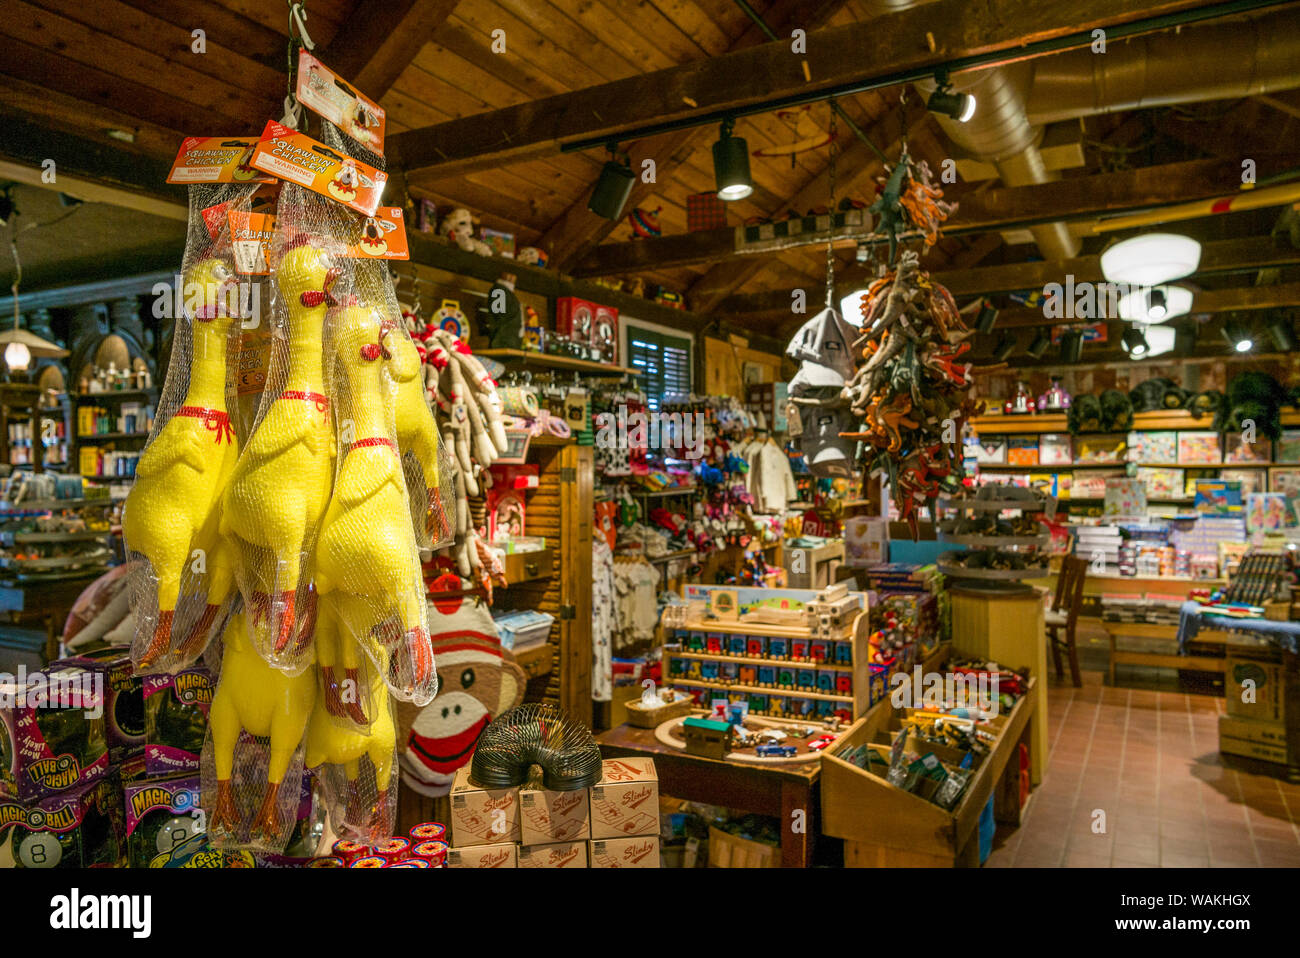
(986, 318)
(958, 106)
(1282, 330)
(1006, 345)
(731, 164)
(614, 186)
(1071, 346)
(1134, 342)
(1038, 345)
(1238, 337)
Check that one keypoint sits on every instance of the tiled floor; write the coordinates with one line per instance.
(1135, 779)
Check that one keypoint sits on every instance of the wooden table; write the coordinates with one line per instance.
(1162, 660)
(780, 791)
(46, 602)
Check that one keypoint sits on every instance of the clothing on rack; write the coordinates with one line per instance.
(603, 620)
(636, 587)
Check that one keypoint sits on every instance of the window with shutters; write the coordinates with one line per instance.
(664, 359)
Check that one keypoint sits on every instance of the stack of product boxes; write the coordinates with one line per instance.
(60, 785)
(1255, 723)
(613, 824)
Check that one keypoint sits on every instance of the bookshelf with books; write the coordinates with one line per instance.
(107, 432)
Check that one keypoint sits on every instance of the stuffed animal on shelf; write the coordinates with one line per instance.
(458, 226)
(1116, 411)
(174, 505)
(1257, 398)
(371, 590)
(281, 483)
(267, 704)
(360, 794)
(477, 681)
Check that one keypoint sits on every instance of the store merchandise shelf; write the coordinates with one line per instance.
(749, 660)
(793, 691)
(527, 357)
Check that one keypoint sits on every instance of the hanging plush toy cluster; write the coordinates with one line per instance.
(911, 390)
(472, 423)
(280, 529)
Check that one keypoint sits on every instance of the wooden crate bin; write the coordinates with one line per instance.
(884, 826)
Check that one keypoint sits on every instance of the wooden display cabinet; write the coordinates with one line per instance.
(884, 826)
(867, 685)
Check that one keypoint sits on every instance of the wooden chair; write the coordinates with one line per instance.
(1063, 616)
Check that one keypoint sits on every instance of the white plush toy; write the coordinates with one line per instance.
(458, 226)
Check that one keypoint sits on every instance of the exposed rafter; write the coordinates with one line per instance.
(578, 230)
(386, 38)
(1221, 256)
(890, 49)
(1076, 198)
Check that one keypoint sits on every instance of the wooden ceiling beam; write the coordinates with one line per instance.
(1074, 198)
(386, 38)
(1235, 299)
(855, 164)
(886, 50)
(578, 230)
(1221, 256)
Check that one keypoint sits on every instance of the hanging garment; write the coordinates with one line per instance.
(604, 620)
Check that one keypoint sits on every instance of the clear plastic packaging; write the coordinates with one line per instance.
(252, 763)
(182, 581)
(281, 485)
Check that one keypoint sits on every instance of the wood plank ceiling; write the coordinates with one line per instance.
(127, 65)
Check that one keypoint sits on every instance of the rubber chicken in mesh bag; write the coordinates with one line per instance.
(174, 506)
(281, 484)
(368, 576)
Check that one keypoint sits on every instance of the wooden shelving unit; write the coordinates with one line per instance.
(528, 357)
(1056, 422)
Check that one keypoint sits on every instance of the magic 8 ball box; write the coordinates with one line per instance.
(51, 733)
(162, 816)
(83, 828)
(123, 699)
(176, 720)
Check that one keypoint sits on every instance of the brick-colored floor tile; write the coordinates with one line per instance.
(1149, 760)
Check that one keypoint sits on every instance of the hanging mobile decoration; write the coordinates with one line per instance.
(911, 391)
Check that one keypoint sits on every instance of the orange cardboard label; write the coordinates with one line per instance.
(323, 91)
(250, 241)
(383, 236)
(298, 158)
(216, 159)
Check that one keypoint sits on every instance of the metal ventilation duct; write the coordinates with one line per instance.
(1210, 61)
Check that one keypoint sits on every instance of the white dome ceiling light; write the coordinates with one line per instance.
(1151, 259)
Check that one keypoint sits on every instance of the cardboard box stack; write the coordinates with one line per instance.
(614, 824)
(1254, 726)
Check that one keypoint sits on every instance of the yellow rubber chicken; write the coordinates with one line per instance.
(266, 703)
(368, 572)
(333, 743)
(418, 439)
(281, 484)
(174, 505)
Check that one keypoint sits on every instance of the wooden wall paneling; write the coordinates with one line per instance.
(707, 30)
(256, 41)
(91, 85)
(662, 43)
(460, 67)
(221, 61)
(159, 76)
(474, 47)
(576, 481)
(382, 40)
(74, 115)
(526, 46)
